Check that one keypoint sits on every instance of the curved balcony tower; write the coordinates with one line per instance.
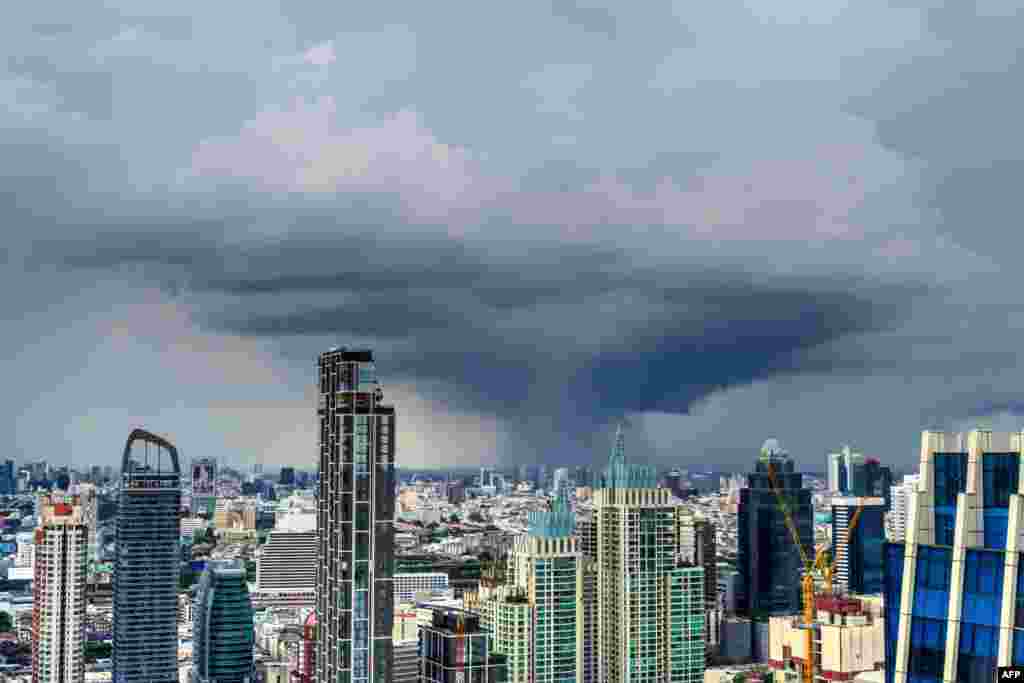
(146, 568)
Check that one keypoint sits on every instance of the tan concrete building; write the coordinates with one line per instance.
(848, 640)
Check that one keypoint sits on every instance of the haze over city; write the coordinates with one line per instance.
(721, 222)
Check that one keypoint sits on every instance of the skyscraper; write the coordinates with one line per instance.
(852, 474)
(8, 479)
(650, 607)
(222, 629)
(58, 639)
(147, 562)
(858, 555)
(586, 537)
(546, 563)
(769, 562)
(954, 592)
(560, 480)
(354, 595)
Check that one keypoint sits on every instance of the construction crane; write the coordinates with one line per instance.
(806, 583)
(810, 568)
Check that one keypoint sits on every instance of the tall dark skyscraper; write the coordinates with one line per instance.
(146, 567)
(354, 593)
(769, 563)
(8, 480)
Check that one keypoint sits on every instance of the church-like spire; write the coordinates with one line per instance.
(619, 474)
(619, 450)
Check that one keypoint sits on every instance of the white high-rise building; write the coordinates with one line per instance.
(841, 469)
(833, 461)
(560, 480)
(897, 519)
(62, 538)
(26, 550)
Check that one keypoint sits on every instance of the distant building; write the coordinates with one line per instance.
(287, 477)
(8, 478)
(222, 633)
(235, 514)
(674, 483)
(900, 496)
(852, 474)
(453, 647)
(560, 480)
(61, 542)
(456, 492)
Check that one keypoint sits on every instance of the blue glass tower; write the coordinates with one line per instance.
(147, 562)
(858, 552)
(954, 597)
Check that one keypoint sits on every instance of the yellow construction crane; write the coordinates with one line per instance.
(806, 583)
(831, 569)
(810, 567)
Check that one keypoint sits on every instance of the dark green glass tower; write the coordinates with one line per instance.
(222, 627)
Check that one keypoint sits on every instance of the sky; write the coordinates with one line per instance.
(715, 222)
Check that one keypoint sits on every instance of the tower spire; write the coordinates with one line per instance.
(619, 451)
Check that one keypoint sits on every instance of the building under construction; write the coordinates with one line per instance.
(847, 639)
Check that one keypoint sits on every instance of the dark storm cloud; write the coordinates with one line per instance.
(956, 107)
(658, 208)
(574, 332)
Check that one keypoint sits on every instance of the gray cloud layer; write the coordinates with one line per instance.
(729, 221)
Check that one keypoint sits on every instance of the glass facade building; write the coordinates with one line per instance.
(953, 592)
(768, 560)
(222, 628)
(355, 558)
(644, 597)
(547, 564)
(858, 555)
(147, 563)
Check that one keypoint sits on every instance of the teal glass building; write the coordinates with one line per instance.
(222, 627)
